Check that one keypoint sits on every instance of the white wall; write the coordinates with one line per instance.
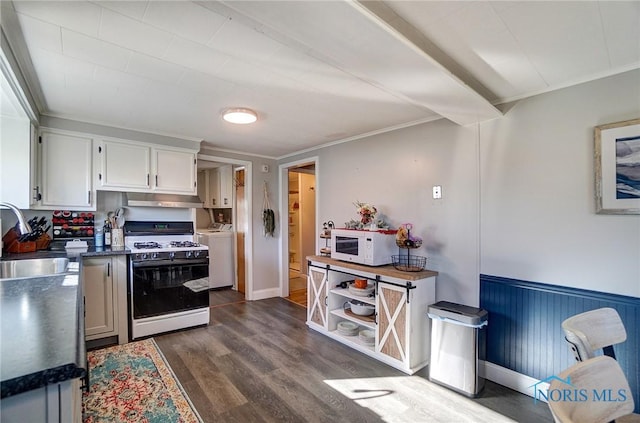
(395, 172)
(537, 192)
(518, 192)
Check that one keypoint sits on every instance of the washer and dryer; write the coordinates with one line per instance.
(221, 257)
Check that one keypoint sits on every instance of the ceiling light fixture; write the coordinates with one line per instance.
(239, 115)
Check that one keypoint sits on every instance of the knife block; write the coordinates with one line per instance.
(12, 245)
(22, 247)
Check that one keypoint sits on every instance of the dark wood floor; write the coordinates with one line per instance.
(257, 361)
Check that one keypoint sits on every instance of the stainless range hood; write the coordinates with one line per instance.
(137, 199)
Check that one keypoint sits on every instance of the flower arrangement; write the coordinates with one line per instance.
(366, 211)
(404, 239)
(367, 220)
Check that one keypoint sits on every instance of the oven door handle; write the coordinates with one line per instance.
(169, 263)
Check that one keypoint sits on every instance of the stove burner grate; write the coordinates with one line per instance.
(184, 244)
(146, 245)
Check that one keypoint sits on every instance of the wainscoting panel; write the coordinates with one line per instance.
(525, 333)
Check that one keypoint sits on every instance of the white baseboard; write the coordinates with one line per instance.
(265, 293)
(511, 379)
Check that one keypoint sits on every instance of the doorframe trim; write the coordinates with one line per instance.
(283, 200)
(248, 241)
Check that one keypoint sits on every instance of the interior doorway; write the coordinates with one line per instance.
(300, 235)
(239, 213)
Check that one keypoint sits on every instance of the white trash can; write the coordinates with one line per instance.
(457, 340)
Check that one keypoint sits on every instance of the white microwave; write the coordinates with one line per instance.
(371, 248)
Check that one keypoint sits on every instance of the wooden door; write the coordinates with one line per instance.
(392, 307)
(240, 226)
(317, 296)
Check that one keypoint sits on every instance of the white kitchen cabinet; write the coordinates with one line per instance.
(400, 323)
(174, 171)
(131, 166)
(225, 187)
(204, 189)
(55, 403)
(123, 166)
(104, 287)
(66, 171)
(215, 187)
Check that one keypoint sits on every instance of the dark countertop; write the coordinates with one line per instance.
(41, 332)
(71, 254)
(42, 324)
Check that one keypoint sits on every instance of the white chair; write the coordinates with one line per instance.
(595, 375)
(594, 330)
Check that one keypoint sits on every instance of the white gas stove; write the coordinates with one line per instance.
(168, 277)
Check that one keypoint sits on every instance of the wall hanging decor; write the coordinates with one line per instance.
(617, 167)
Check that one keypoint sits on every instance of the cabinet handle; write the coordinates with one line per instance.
(156, 180)
(147, 179)
(108, 269)
(325, 301)
(37, 195)
(226, 201)
(89, 197)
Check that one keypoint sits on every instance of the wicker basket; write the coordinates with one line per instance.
(407, 243)
(409, 263)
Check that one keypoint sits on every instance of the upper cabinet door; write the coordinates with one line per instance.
(225, 180)
(175, 171)
(66, 171)
(123, 166)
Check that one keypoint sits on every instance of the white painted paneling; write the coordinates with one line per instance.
(155, 69)
(622, 32)
(94, 51)
(538, 203)
(195, 56)
(132, 9)
(135, 35)
(185, 19)
(83, 17)
(235, 40)
(43, 34)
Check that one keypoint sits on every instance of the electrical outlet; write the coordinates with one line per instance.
(437, 192)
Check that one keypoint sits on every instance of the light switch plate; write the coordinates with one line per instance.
(437, 192)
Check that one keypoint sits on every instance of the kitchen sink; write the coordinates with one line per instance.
(12, 269)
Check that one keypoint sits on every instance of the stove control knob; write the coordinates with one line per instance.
(154, 255)
(144, 256)
(172, 255)
(196, 253)
(189, 254)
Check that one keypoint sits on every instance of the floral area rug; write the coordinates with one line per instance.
(134, 383)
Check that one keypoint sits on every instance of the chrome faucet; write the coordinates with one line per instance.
(23, 225)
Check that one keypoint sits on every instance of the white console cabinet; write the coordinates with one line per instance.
(400, 323)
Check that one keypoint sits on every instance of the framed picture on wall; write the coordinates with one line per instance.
(617, 167)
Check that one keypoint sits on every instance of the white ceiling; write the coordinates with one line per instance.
(315, 71)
